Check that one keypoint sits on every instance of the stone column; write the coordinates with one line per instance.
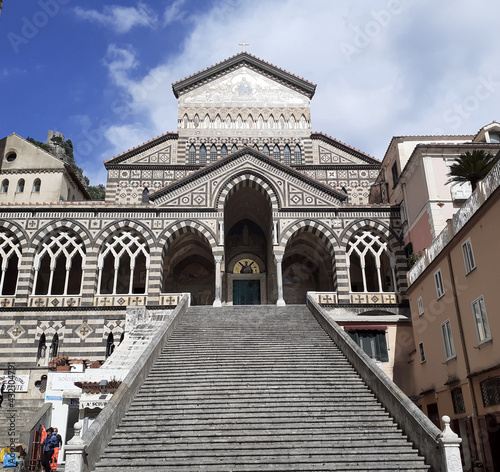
(218, 281)
(450, 445)
(278, 258)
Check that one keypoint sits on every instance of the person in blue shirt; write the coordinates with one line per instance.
(48, 446)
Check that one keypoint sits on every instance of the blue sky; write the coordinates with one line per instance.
(101, 73)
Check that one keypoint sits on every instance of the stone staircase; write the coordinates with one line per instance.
(246, 389)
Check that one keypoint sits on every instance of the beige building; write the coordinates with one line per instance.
(30, 175)
(453, 291)
(414, 175)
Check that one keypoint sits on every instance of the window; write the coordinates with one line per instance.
(11, 157)
(287, 155)
(42, 350)
(420, 305)
(449, 347)
(265, 150)
(203, 155)
(213, 153)
(481, 320)
(457, 398)
(402, 209)
(145, 195)
(110, 345)
(370, 264)
(470, 263)
(394, 171)
(36, 185)
(438, 279)
(422, 353)
(124, 264)
(54, 347)
(234, 148)
(223, 150)
(5, 186)
(276, 152)
(297, 155)
(372, 342)
(490, 390)
(58, 265)
(10, 259)
(433, 413)
(20, 186)
(192, 155)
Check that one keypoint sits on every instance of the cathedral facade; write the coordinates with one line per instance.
(243, 205)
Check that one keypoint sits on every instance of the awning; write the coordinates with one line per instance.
(94, 400)
(352, 328)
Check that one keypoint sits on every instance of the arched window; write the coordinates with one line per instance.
(110, 345)
(287, 155)
(234, 148)
(250, 122)
(228, 121)
(58, 265)
(192, 155)
(270, 122)
(54, 347)
(124, 264)
(196, 121)
(145, 195)
(260, 122)
(20, 186)
(203, 155)
(217, 122)
(239, 122)
(370, 265)
(303, 122)
(10, 258)
(265, 150)
(206, 123)
(282, 122)
(276, 152)
(5, 186)
(256, 146)
(42, 350)
(223, 150)
(213, 153)
(36, 185)
(292, 122)
(297, 155)
(185, 122)
(122, 337)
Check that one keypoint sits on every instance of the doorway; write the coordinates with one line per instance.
(246, 292)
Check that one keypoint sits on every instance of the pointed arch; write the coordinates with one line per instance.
(20, 186)
(270, 122)
(250, 123)
(223, 151)
(234, 148)
(110, 344)
(239, 122)
(218, 122)
(213, 153)
(318, 228)
(196, 121)
(276, 152)
(54, 346)
(186, 226)
(287, 155)
(203, 155)
(10, 262)
(281, 122)
(228, 121)
(260, 122)
(207, 122)
(293, 122)
(265, 150)
(192, 154)
(5, 185)
(185, 121)
(297, 155)
(303, 122)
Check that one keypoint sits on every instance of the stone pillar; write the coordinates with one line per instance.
(450, 445)
(221, 233)
(278, 258)
(275, 233)
(75, 450)
(218, 281)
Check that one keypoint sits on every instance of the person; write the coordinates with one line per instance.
(48, 446)
(2, 390)
(58, 436)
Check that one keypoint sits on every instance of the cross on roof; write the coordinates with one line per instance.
(244, 45)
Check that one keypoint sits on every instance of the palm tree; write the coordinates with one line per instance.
(472, 167)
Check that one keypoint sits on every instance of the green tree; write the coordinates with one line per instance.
(472, 167)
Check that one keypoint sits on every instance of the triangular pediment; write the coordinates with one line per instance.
(203, 188)
(249, 62)
(333, 152)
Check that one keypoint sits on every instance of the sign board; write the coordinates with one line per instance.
(21, 382)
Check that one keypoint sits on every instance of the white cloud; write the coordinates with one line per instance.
(383, 67)
(119, 61)
(121, 19)
(173, 12)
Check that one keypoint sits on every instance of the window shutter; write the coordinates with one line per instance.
(382, 353)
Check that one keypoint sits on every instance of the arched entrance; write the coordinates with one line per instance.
(307, 266)
(248, 246)
(188, 266)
